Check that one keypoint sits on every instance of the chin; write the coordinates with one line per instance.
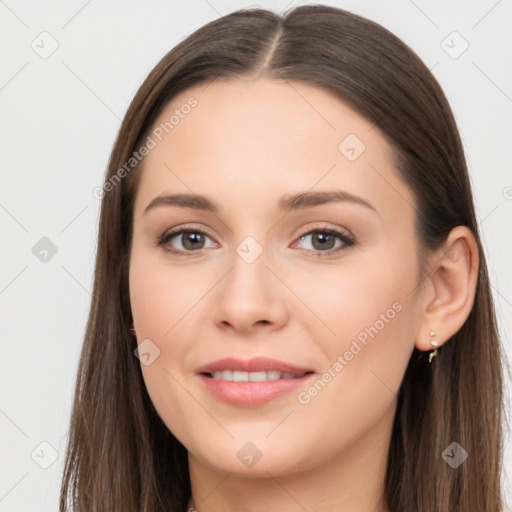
(255, 459)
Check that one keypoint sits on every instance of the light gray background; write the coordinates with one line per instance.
(59, 117)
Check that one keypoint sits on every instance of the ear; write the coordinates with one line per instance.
(449, 290)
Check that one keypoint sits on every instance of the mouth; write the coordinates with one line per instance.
(252, 382)
(260, 376)
(237, 390)
(255, 369)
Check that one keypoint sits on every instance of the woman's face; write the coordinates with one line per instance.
(309, 259)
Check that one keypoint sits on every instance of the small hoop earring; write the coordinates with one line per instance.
(433, 343)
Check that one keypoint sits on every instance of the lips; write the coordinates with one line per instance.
(253, 382)
(230, 367)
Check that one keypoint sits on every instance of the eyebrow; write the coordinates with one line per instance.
(286, 203)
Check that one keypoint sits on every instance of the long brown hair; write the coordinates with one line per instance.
(120, 455)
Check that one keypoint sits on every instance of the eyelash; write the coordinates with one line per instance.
(348, 241)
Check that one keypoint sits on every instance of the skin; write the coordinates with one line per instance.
(246, 144)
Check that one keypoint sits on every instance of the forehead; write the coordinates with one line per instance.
(264, 136)
(276, 113)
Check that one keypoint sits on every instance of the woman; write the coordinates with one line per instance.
(291, 305)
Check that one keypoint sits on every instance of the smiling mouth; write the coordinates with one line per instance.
(261, 376)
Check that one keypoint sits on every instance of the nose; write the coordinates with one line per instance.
(251, 295)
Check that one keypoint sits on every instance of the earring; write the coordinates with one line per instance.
(133, 329)
(433, 343)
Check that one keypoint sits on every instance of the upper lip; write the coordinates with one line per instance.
(256, 364)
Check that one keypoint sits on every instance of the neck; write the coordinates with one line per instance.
(353, 480)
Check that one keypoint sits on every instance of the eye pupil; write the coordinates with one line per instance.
(322, 238)
(191, 239)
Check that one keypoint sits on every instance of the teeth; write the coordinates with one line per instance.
(237, 376)
(240, 376)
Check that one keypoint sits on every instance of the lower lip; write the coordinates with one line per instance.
(252, 393)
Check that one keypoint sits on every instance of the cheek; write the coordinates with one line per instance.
(166, 301)
(160, 299)
(372, 314)
(163, 296)
(369, 307)
(359, 297)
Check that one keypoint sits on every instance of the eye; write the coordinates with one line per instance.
(190, 240)
(323, 240)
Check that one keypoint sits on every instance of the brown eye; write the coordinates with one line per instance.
(324, 240)
(321, 240)
(184, 241)
(192, 240)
